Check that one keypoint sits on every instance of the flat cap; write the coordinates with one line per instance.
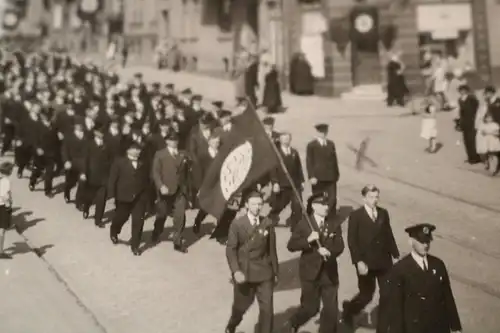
(422, 232)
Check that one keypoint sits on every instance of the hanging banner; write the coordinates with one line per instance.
(57, 16)
(312, 47)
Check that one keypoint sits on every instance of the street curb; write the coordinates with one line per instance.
(38, 253)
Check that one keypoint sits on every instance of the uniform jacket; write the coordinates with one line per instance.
(311, 263)
(28, 130)
(168, 170)
(115, 144)
(97, 164)
(369, 241)
(252, 249)
(197, 143)
(125, 182)
(418, 301)
(468, 111)
(293, 166)
(322, 161)
(201, 167)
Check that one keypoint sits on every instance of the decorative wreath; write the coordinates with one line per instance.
(10, 19)
(87, 9)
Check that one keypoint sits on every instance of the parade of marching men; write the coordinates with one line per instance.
(151, 150)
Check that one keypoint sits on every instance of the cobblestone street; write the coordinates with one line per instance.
(166, 292)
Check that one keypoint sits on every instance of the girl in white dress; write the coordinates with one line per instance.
(489, 144)
(429, 128)
(5, 205)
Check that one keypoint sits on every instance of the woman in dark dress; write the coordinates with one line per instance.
(301, 78)
(272, 91)
(396, 83)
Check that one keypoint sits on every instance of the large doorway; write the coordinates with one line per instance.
(366, 68)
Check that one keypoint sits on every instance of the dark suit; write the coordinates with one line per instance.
(322, 164)
(74, 151)
(319, 278)
(418, 301)
(170, 171)
(47, 141)
(252, 251)
(286, 194)
(371, 242)
(128, 185)
(27, 133)
(468, 110)
(98, 161)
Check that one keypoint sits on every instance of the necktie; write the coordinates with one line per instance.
(425, 264)
(374, 214)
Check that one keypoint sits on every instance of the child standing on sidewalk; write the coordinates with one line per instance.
(5, 205)
(488, 143)
(429, 128)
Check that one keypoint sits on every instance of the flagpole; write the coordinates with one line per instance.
(287, 174)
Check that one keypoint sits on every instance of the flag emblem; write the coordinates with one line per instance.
(235, 169)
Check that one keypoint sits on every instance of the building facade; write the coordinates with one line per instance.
(346, 41)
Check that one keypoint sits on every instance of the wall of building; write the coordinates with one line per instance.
(493, 11)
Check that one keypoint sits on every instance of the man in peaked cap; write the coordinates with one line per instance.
(418, 286)
(322, 165)
(269, 123)
(321, 243)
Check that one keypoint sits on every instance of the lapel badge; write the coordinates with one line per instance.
(332, 234)
(434, 271)
(425, 230)
(260, 231)
(265, 233)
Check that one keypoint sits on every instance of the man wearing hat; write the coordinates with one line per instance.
(225, 124)
(319, 238)
(129, 184)
(418, 297)
(269, 123)
(73, 155)
(98, 159)
(198, 138)
(322, 166)
(169, 173)
(372, 248)
(253, 261)
(493, 102)
(283, 193)
(468, 105)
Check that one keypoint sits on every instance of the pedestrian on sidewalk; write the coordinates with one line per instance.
(272, 91)
(489, 144)
(5, 205)
(429, 128)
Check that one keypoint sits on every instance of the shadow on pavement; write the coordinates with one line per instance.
(18, 248)
(20, 222)
(281, 319)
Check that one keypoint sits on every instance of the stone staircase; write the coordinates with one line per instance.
(369, 92)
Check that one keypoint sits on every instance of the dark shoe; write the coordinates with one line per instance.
(180, 248)
(155, 239)
(136, 252)
(221, 240)
(5, 256)
(100, 225)
(67, 199)
(289, 328)
(31, 187)
(347, 316)
(197, 228)
(114, 239)
(49, 195)
(19, 174)
(230, 330)
(85, 214)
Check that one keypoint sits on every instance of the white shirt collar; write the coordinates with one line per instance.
(212, 152)
(319, 220)
(371, 211)
(227, 127)
(420, 260)
(173, 151)
(252, 219)
(286, 150)
(322, 141)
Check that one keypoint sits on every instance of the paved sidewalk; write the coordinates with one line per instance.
(33, 300)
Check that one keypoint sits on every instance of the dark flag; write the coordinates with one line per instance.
(245, 157)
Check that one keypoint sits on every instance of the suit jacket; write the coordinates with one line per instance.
(252, 249)
(168, 170)
(115, 144)
(418, 301)
(47, 139)
(468, 111)
(74, 150)
(311, 263)
(369, 241)
(322, 161)
(97, 164)
(294, 168)
(197, 143)
(126, 183)
(201, 167)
